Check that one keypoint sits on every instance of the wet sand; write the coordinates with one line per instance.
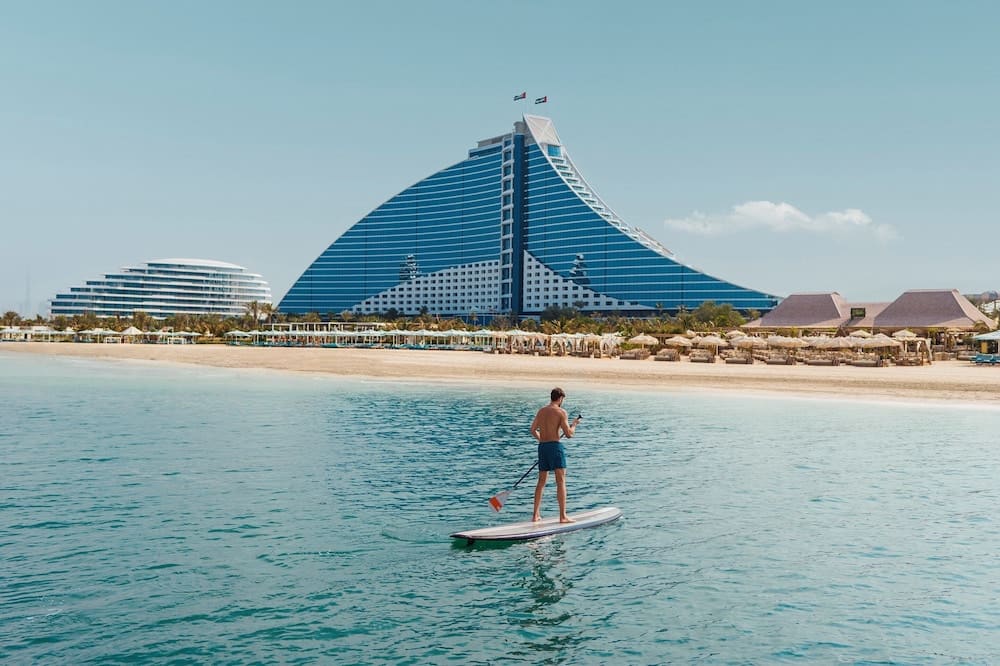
(946, 380)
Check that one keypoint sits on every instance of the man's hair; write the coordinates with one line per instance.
(557, 393)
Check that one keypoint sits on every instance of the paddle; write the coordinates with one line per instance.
(496, 502)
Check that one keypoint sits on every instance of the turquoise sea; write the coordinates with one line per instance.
(159, 514)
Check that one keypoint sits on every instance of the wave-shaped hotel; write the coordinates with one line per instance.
(165, 288)
(510, 230)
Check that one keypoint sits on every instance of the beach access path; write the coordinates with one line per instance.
(944, 380)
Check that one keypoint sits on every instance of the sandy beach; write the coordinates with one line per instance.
(947, 380)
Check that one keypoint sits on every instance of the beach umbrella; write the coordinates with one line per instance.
(838, 343)
(860, 334)
(748, 342)
(712, 341)
(785, 342)
(677, 341)
(880, 341)
(904, 335)
(735, 334)
(643, 339)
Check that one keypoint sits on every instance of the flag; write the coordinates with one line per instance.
(541, 100)
(521, 96)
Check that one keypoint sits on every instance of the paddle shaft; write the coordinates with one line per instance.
(530, 469)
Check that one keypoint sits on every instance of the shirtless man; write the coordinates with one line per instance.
(549, 425)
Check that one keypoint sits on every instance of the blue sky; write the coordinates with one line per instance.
(784, 146)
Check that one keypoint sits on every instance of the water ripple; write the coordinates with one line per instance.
(152, 515)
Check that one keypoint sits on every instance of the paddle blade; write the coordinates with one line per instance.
(496, 502)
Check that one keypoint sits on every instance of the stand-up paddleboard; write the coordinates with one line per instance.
(545, 527)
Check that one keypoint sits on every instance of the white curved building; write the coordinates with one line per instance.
(165, 288)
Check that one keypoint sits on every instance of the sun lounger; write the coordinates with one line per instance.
(986, 359)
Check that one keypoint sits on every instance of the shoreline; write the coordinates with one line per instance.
(944, 381)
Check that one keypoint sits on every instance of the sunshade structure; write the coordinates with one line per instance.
(748, 342)
(837, 343)
(643, 339)
(678, 341)
(712, 342)
(880, 341)
(785, 342)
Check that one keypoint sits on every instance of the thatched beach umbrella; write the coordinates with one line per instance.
(904, 334)
(838, 343)
(643, 339)
(748, 342)
(677, 341)
(712, 342)
(782, 342)
(860, 334)
(880, 341)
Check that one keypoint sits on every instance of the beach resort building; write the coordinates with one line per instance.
(165, 288)
(922, 310)
(512, 229)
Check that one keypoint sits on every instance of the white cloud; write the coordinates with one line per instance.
(782, 217)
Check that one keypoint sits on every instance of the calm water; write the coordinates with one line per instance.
(152, 514)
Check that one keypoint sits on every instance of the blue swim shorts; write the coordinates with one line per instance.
(551, 456)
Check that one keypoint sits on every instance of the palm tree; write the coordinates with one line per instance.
(11, 318)
(141, 320)
(253, 313)
(267, 310)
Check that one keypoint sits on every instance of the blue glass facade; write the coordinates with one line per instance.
(512, 229)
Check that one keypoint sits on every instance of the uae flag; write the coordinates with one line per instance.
(541, 100)
(521, 96)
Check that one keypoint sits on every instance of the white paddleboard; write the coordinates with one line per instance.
(545, 527)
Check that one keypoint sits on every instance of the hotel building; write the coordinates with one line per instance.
(511, 230)
(165, 288)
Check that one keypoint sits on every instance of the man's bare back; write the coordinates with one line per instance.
(549, 421)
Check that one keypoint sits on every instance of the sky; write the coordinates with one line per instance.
(783, 146)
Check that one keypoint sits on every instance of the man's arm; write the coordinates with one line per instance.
(567, 428)
(534, 427)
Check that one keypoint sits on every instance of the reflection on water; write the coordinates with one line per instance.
(547, 581)
(545, 616)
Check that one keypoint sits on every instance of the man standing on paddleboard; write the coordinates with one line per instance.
(551, 422)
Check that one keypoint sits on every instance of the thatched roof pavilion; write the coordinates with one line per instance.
(932, 308)
(920, 309)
